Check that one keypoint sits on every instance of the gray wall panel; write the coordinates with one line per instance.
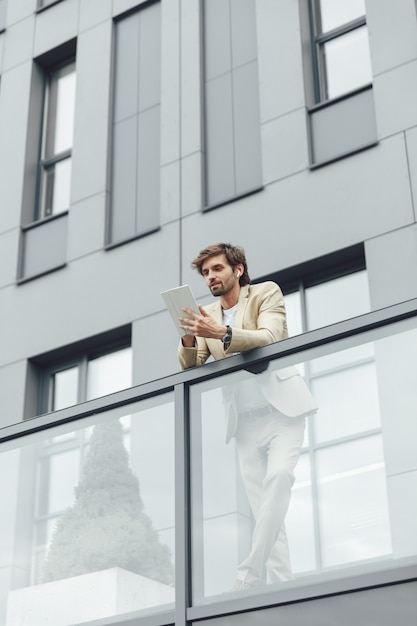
(44, 247)
(123, 190)
(191, 78)
(59, 23)
(9, 253)
(148, 172)
(396, 99)
(126, 73)
(86, 226)
(217, 58)
(285, 148)
(392, 261)
(247, 140)
(14, 107)
(19, 41)
(12, 386)
(343, 126)
(280, 60)
(90, 146)
(392, 33)
(136, 139)
(219, 139)
(149, 57)
(243, 31)
(94, 12)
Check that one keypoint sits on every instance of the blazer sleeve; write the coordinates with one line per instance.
(190, 357)
(264, 321)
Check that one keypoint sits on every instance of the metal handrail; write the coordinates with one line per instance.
(249, 360)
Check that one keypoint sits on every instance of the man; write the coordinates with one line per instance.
(266, 417)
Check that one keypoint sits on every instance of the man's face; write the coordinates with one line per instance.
(219, 275)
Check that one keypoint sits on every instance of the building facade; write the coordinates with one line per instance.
(133, 134)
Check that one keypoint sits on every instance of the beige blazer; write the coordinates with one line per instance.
(260, 320)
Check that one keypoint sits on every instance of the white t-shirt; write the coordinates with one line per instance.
(248, 394)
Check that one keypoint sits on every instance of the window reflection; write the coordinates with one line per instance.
(337, 300)
(60, 183)
(341, 412)
(64, 386)
(335, 13)
(58, 131)
(347, 62)
(342, 59)
(62, 456)
(109, 373)
(105, 518)
(338, 513)
(353, 507)
(65, 107)
(300, 519)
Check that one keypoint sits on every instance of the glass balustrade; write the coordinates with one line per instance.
(94, 509)
(87, 528)
(353, 505)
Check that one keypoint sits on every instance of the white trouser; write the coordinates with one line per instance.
(268, 450)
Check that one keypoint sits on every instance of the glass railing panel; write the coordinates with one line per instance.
(87, 528)
(352, 469)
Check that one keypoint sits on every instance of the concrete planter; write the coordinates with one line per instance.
(83, 598)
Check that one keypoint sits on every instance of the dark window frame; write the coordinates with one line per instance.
(48, 159)
(318, 40)
(43, 366)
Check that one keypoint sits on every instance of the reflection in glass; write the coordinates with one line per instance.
(61, 182)
(351, 507)
(335, 13)
(65, 106)
(109, 373)
(347, 61)
(65, 388)
(55, 164)
(64, 473)
(341, 412)
(241, 501)
(337, 300)
(353, 502)
(294, 315)
(111, 541)
(300, 519)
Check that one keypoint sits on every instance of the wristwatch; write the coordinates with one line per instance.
(228, 336)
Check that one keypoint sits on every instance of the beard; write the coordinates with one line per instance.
(218, 290)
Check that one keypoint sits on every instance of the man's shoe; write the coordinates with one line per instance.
(242, 585)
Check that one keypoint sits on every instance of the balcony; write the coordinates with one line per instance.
(130, 509)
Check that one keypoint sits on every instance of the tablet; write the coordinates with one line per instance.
(175, 299)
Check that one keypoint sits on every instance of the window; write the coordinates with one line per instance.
(338, 78)
(58, 130)
(232, 119)
(341, 47)
(135, 185)
(47, 181)
(84, 377)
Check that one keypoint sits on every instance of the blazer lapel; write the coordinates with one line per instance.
(241, 308)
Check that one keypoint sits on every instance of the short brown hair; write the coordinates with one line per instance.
(235, 255)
